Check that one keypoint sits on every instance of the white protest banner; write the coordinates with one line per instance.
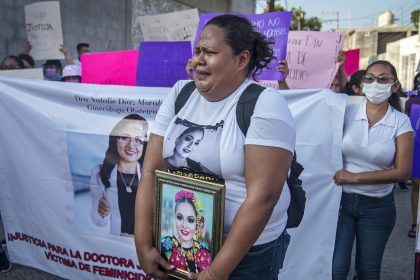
(176, 26)
(34, 73)
(318, 148)
(43, 26)
(64, 131)
(312, 58)
(48, 184)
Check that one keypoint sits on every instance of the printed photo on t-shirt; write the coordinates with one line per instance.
(192, 146)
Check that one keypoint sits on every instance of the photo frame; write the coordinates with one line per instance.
(188, 221)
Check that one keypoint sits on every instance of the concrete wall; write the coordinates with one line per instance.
(105, 24)
(100, 23)
(147, 7)
(409, 58)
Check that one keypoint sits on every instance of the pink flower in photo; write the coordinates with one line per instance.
(202, 259)
(184, 194)
(177, 259)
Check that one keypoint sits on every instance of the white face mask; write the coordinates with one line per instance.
(377, 93)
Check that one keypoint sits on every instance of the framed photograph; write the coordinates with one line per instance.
(188, 222)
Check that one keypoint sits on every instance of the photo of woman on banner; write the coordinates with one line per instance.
(185, 249)
(184, 147)
(113, 184)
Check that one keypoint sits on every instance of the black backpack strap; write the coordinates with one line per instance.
(246, 105)
(184, 95)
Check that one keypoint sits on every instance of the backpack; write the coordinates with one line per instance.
(244, 110)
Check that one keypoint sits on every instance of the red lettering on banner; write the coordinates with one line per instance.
(120, 274)
(57, 249)
(76, 255)
(106, 259)
(58, 259)
(27, 238)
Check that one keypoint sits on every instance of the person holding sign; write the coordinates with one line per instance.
(254, 166)
(377, 152)
(113, 184)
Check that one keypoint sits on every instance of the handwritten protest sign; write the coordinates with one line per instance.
(35, 73)
(312, 58)
(351, 64)
(177, 26)
(110, 68)
(43, 26)
(415, 123)
(273, 25)
(161, 64)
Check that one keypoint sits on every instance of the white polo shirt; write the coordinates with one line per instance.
(371, 149)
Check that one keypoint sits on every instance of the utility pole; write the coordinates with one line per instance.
(337, 19)
(270, 5)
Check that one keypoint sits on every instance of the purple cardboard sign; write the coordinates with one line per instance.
(273, 25)
(415, 123)
(162, 64)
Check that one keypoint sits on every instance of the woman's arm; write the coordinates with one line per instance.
(265, 173)
(401, 171)
(342, 75)
(283, 67)
(149, 258)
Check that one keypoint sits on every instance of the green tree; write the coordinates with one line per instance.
(415, 17)
(299, 22)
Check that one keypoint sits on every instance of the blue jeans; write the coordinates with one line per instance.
(369, 219)
(263, 261)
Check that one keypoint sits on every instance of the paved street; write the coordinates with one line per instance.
(397, 264)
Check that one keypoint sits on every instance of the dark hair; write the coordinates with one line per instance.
(416, 81)
(82, 45)
(355, 80)
(27, 58)
(240, 35)
(111, 155)
(54, 62)
(191, 129)
(394, 100)
(15, 58)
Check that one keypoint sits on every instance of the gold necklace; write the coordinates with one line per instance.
(127, 188)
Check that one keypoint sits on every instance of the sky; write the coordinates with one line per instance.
(352, 13)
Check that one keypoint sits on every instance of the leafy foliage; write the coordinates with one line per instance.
(299, 22)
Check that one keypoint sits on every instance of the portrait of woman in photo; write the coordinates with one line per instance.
(184, 249)
(113, 184)
(185, 144)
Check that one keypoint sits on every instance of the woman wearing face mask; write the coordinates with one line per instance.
(377, 152)
(52, 70)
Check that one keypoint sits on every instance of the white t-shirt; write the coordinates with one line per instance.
(371, 149)
(219, 148)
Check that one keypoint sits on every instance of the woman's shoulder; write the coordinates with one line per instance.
(179, 85)
(402, 120)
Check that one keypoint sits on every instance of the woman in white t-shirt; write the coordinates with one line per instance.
(254, 167)
(377, 152)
